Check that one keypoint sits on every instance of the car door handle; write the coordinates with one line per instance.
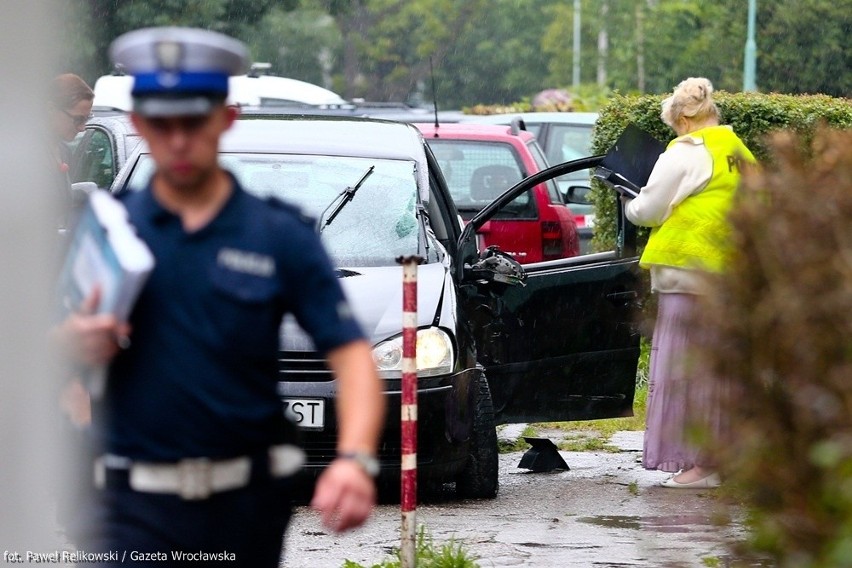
(622, 297)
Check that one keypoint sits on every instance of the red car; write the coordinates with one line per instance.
(482, 161)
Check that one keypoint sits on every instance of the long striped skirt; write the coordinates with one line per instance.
(682, 400)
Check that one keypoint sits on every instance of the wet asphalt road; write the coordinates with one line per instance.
(607, 511)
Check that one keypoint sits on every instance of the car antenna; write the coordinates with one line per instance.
(434, 96)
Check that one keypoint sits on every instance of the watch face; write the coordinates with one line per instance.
(366, 461)
(371, 466)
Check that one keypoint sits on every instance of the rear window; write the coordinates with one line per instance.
(478, 172)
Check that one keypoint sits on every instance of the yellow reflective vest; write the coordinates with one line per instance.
(696, 235)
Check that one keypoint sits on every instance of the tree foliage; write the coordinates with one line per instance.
(804, 48)
(92, 24)
(395, 41)
(303, 44)
(498, 59)
(497, 51)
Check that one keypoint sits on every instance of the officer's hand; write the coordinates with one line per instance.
(76, 404)
(344, 496)
(90, 338)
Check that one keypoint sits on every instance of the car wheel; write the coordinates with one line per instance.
(479, 478)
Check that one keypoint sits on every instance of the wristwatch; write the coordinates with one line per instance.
(368, 462)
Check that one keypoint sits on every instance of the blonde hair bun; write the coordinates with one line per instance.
(692, 98)
(693, 92)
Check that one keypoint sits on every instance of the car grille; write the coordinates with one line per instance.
(303, 366)
(321, 447)
(320, 450)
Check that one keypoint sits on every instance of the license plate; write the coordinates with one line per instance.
(305, 412)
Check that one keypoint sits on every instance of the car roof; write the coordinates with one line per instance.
(330, 136)
(113, 120)
(472, 131)
(582, 118)
(320, 134)
(399, 112)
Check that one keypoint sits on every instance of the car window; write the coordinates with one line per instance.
(534, 128)
(377, 226)
(477, 172)
(552, 189)
(568, 142)
(131, 141)
(94, 159)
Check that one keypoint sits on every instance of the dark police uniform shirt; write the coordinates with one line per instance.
(200, 377)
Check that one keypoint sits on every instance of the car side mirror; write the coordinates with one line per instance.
(496, 266)
(578, 194)
(80, 191)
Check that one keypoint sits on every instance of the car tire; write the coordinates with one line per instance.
(479, 478)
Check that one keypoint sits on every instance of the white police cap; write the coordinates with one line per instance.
(178, 71)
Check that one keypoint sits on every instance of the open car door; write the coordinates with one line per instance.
(558, 340)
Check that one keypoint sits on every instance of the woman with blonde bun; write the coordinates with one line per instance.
(685, 203)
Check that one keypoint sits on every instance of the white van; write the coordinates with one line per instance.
(268, 90)
(254, 89)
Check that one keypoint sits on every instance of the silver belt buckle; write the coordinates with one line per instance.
(195, 478)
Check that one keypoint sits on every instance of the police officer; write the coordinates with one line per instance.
(196, 453)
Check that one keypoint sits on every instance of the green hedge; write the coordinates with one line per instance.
(752, 116)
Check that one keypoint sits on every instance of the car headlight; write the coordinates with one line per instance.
(434, 354)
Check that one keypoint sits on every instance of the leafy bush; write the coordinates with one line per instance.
(779, 331)
(752, 116)
(587, 97)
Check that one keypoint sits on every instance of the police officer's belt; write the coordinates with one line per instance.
(198, 478)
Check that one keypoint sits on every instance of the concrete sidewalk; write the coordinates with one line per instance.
(605, 511)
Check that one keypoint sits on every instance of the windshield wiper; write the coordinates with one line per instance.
(344, 198)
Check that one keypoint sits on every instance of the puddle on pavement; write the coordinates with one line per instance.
(657, 523)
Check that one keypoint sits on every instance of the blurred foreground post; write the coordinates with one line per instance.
(408, 474)
(28, 244)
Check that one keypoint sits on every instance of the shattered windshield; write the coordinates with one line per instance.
(375, 228)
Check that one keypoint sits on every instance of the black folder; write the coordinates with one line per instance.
(628, 164)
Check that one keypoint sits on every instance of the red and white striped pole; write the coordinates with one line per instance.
(408, 476)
